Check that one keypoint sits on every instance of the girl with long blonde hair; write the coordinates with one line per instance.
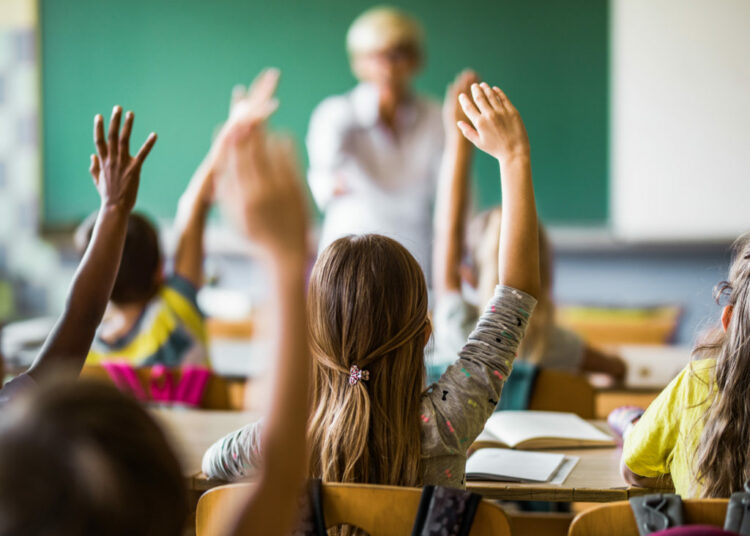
(372, 420)
(696, 433)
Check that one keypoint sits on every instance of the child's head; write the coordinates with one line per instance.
(139, 276)
(723, 464)
(80, 458)
(482, 244)
(367, 306)
(385, 47)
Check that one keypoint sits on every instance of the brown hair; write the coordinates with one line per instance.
(82, 458)
(722, 457)
(482, 242)
(136, 279)
(367, 306)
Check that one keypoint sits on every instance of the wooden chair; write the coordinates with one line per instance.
(616, 519)
(220, 394)
(561, 391)
(379, 510)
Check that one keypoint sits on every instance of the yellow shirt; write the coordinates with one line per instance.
(170, 331)
(664, 440)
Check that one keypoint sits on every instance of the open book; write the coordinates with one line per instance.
(512, 465)
(540, 430)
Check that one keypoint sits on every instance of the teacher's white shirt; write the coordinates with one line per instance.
(389, 180)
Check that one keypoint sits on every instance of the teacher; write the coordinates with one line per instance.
(375, 151)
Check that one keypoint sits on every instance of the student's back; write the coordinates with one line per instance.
(151, 320)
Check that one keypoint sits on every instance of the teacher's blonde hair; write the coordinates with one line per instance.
(383, 27)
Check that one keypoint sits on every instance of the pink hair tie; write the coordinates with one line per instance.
(356, 375)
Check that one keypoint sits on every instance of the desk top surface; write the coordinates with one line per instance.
(596, 477)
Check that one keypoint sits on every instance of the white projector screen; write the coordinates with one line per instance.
(680, 119)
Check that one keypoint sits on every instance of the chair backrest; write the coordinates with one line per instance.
(379, 510)
(616, 519)
(561, 391)
(220, 393)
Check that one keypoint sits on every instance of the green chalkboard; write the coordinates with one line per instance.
(174, 64)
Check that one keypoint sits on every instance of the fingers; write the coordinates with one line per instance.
(94, 169)
(267, 109)
(465, 79)
(492, 97)
(101, 147)
(264, 85)
(114, 129)
(145, 149)
(238, 93)
(469, 132)
(125, 135)
(468, 107)
(480, 98)
(502, 96)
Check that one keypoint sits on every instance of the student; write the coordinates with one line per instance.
(116, 175)
(695, 434)
(372, 421)
(546, 344)
(374, 150)
(78, 458)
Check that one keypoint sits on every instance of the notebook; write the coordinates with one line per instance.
(507, 465)
(540, 430)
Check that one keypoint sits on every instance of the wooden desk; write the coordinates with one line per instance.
(192, 431)
(596, 477)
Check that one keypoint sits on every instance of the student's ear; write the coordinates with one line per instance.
(726, 316)
(427, 332)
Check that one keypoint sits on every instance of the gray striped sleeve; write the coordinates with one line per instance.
(236, 455)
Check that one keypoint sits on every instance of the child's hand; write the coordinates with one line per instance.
(452, 112)
(252, 106)
(496, 126)
(264, 195)
(116, 174)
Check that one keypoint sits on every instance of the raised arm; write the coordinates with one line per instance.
(264, 197)
(195, 203)
(116, 175)
(497, 129)
(453, 192)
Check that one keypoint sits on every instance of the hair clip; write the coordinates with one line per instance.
(356, 375)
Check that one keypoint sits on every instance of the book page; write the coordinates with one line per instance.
(513, 465)
(516, 427)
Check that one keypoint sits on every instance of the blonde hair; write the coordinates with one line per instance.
(722, 457)
(483, 238)
(382, 27)
(367, 306)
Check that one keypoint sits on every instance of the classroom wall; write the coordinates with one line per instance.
(174, 64)
(645, 277)
(28, 266)
(680, 113)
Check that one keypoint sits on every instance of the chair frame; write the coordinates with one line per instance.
(616, 519)
(379, 510)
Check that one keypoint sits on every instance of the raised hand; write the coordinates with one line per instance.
(264, 195)
(496, 126)
(250, 107)
(452, 112)
(115, 172)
